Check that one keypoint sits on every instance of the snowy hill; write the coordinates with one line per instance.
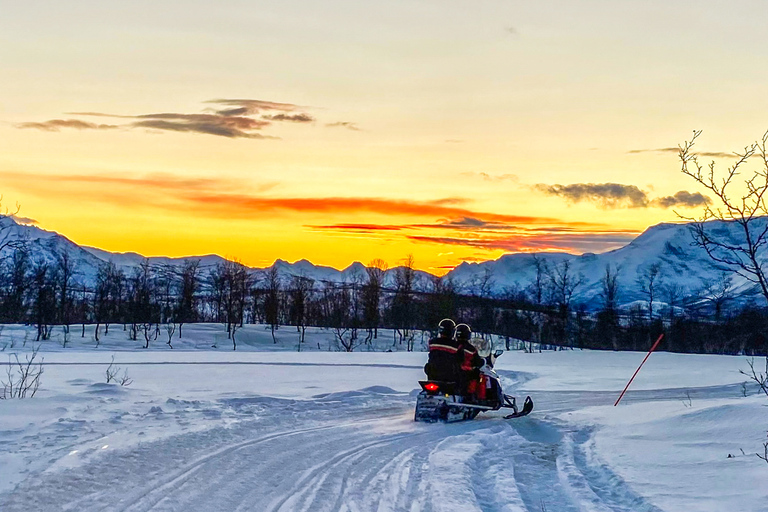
(670, 245)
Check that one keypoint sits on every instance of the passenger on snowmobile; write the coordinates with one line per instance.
(470, 361)
(444, 363)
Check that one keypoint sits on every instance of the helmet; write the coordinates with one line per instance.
(463, 332)
(446, 327)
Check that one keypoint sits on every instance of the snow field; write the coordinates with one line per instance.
(276, 430)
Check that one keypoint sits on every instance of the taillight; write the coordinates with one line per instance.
(431, 386)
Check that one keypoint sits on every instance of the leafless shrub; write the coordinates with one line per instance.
(687, 400)
(760, 378)
(764, 455)
(113, 374)
(22, 377)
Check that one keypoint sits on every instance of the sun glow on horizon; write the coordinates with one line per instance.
(350, 132)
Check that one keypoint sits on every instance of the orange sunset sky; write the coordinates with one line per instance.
(339, 131)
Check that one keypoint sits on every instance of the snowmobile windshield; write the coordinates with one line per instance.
(482, 346)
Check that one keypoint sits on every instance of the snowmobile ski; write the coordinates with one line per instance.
(526, 410)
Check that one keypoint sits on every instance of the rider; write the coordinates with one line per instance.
(470, 361)
(444, 362)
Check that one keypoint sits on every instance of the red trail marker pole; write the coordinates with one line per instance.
(638, 368)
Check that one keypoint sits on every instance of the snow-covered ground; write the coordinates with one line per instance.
(267, 428)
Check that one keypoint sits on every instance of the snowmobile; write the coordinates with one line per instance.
(446, 402)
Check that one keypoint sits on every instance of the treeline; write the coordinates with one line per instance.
(154, 302)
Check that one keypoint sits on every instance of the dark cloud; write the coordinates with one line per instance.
(709, 154)
(682, 198)
(605, 195)
(54, 125)
(616, 195)
(232, 118)
(344, 124)
(294, 118)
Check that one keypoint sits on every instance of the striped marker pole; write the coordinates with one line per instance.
(638, 368)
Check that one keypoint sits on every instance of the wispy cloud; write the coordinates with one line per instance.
(582, 242)
(344, 124)
(23, 220)
(55, 125)
(710, 154)
(514, 178)
(230, 118)
(157, 181)
(617, 195)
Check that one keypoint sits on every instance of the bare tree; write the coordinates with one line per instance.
(272, 299)
(186, 310)
(718, 293)
(563, 283)
(649, 279)
(402, 308)
(9, 239)
(44, 300)
(170, 330)
(536, 292)
(371, 297)
(301, 291)
(608, 318)
(746, 206)
(22, 377)
(64, 271)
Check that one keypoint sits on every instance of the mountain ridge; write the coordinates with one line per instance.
(669, 244)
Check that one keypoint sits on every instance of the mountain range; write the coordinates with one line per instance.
(682, 264)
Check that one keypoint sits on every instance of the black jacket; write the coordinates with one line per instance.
(445, 358)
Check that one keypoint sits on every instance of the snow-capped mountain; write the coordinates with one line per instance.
(670, 245)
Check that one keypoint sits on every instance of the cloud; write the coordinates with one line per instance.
(682, 198)
(616, 195)
(245, 206)
(493, 177)
(605, 195)
(231, 118)
(357, 228)
(676, 150)
(344, 124)
(582, 242)
(251, 107)
(294, 118)
(23, 220)
(159, 181)
(485, 235)
(54, 125)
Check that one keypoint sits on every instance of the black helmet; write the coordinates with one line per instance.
(463, 332)
(446, 327)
